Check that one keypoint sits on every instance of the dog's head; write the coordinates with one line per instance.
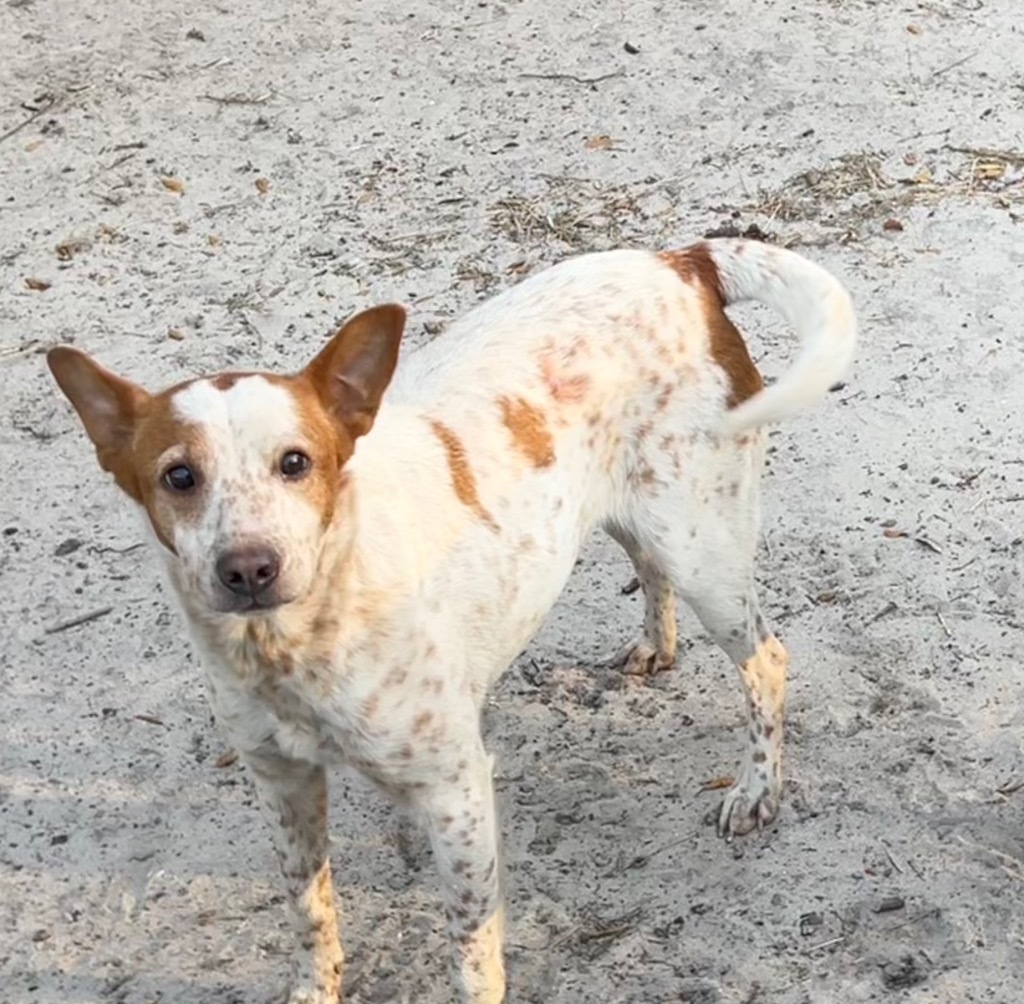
(240, 474)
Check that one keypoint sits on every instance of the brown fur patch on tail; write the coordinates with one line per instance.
(696, 267)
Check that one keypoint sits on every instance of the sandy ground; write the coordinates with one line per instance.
(215, 188)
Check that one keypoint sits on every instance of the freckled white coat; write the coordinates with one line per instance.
(612, 391)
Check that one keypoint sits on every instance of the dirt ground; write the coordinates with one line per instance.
(191, 190)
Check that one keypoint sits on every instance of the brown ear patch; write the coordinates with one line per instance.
(351, 372)
(696, 267)
(109, 407)
(463, 480)
(530, 433)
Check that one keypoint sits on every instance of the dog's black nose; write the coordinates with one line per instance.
(248, 571)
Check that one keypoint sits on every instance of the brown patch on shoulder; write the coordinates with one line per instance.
(695, 266)
(463, 480)
(530, 432)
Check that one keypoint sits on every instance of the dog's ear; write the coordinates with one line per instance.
(108, 406)
(354, 369)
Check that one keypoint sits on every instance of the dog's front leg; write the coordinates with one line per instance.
(294, 796)
(461, 820)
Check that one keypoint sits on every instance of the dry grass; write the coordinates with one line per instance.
(583, 215)
(855, 190)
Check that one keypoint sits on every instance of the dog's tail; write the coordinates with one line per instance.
(815, 305)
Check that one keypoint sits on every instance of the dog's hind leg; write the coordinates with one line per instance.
(701, 532)
(656, 651)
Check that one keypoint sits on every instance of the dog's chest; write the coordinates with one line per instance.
(300, 728)
(268, 702)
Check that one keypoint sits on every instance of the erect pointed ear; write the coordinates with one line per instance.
(107, 405)
(354, 369)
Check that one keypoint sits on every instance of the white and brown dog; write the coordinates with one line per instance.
(361, 551)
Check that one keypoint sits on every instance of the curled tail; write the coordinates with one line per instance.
(812, 301)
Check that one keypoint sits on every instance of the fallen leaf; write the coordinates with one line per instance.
(262, 185)
(913, 29)
(176, 334)
(66, 250)
(34, 145)
(599, 143)
(989, 170)
(226, 759)
(892, 533)
(175, 185)
(39, 285)
(892, 224)
(718, 783)
(923, 177)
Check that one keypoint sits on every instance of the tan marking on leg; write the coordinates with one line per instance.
(482, 965)
(765, 676)
(463, 480)
(316, 904)
(295, 798)
(657, 651)
(696, 267)
(753, 800)
(530, 433)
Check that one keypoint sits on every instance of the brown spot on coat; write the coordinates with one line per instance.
(567, 390)
(530, 433)
(463, 481)
(695, 266)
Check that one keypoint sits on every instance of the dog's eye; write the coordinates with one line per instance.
(180, 478)
(295, 464)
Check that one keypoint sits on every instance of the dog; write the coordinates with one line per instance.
(361, 548)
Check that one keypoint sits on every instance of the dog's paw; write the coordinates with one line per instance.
(640, 659)
(751, 803)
